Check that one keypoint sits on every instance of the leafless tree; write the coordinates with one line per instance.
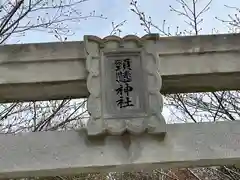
(233, 20)
(196, 107)
(18, 17)
(116, 28)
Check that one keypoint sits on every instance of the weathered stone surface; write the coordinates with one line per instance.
(124, 84)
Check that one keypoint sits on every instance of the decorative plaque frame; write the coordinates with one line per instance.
(124, 83)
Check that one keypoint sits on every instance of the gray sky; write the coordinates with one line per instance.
(119, 10)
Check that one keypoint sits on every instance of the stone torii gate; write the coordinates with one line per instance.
(94, 69)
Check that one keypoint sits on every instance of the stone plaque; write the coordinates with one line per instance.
(124, 84)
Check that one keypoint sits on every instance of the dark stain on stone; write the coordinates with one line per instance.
(98, 140)
(159, 136)
(126, 140)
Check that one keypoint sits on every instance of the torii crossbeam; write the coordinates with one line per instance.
(58, 70)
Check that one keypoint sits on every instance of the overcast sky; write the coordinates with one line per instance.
(119, 10)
